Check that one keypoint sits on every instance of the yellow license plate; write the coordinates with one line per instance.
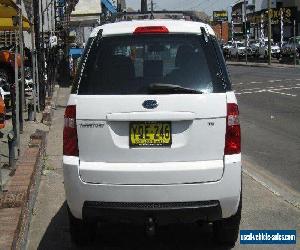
(150, 134)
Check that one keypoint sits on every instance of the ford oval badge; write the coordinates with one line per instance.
(150, 104)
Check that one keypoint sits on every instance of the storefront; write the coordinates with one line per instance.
(282, 18)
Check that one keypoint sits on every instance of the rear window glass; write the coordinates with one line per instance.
(130, 65)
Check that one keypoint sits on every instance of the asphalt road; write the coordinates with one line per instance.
(269, 101)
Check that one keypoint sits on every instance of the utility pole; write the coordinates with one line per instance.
(17, 96)
(152, 9)
(17, 22)
(121, 5)
(144, 5)
(295, 53)
(245, 28)
(42, 91)
(118, 6)
(221, 31)
(22, 88)
(269, 31)
(34, 61)
(232, 26)
(37, 55)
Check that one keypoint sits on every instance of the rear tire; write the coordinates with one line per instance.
(82, 232)
(226, 231)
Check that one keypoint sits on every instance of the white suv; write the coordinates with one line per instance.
(152, 132)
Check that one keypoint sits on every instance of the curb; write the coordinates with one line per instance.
(17, 202)
(256, 65)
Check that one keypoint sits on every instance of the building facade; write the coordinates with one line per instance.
(284, 13)
(222, 31)
(237, 19)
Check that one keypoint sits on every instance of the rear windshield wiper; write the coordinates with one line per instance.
(171, 88)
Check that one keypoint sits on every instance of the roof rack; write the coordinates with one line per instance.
(176, 15)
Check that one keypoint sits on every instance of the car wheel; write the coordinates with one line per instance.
(82, 232)
(226, 231)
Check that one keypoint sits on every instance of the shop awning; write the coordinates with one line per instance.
(8, 9)
(76, 52)
(86, 13)
(87, 7)
(108, 4)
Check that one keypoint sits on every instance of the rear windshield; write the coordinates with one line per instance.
(130, 65)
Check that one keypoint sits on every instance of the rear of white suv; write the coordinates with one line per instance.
(152, 132)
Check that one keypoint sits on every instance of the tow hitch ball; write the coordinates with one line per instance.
(150, 227)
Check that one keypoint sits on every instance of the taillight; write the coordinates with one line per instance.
(233, 130)
(150, 30)
(70, 143)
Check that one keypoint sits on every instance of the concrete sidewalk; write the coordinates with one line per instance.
(29, 128)
(49, 226)
(265, 65)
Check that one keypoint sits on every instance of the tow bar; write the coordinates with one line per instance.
(150, 227)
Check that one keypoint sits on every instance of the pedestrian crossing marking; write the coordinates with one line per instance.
(269, 81)
(271, 89)
(281, 93)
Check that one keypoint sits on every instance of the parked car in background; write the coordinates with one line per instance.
(254, 45)
(263, 50)
(226, 48)
(250, 52)
(237, 50)
(287, 50)
(275, 51)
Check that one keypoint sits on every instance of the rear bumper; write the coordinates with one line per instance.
(94, 200)
(162, 213)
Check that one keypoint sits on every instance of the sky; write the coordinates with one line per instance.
(207, 6)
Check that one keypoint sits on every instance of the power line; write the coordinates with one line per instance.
(209, 6)
(155, 5)
(198, 5)
(192, 3)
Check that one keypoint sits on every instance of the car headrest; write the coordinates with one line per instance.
(184, 53)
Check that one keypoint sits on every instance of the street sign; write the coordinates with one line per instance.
(53, 41)
(220, 16)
